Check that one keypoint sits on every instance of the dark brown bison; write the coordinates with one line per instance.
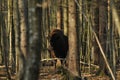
(59, 43)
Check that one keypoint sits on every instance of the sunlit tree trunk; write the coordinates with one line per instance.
(60, 14)
(73, 53)
(10, 28)
(65, 17)
(24, 28)
(23, 10)
(11, 36)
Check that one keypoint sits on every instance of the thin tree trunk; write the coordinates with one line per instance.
(24, 27)
(103, 33)
(17, 32)
(111, 52)
(78, 26)
(59, 15)
(4, 36)
(96, 28)
(116, 25)
(65, 15)
(24, 42)
(10, 29)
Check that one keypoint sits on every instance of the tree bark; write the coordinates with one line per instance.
(24, 42)
(33, 62)
(16, 22)
(103, 33)
(73, 57)
(24, 27)
(60, 15)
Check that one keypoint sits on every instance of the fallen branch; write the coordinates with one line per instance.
(89, 64)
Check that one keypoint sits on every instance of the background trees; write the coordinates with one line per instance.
(25, 25)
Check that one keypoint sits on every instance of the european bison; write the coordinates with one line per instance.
(59, 44)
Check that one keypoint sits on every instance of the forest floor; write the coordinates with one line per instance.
(51, 75)
(49, 72)
(3, 73)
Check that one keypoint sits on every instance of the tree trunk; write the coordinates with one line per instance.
(65, 19)
(17, 32)
(73, 53)
(102, 33)
(60, 15)
(96, 28)
(4, 46)
(10, 29)
(33, 62)
(24, 28)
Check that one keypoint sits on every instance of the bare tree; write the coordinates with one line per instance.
(102, 32)
(60, 15)
(33, 62)
(24, 28)
(4, 46)
(73, 53)
(16, 23)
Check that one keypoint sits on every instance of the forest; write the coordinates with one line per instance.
(59, 39)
